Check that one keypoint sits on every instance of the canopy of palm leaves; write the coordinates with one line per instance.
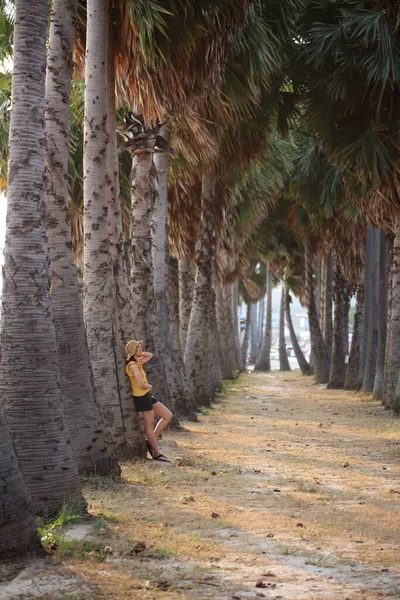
(350, 60)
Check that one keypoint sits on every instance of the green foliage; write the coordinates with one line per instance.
(69, 513)
(351, 62)
(204, 410)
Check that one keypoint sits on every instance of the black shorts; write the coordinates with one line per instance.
(145, 402)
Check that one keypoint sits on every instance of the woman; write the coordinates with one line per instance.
(144, 401)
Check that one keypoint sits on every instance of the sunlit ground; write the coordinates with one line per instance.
(282, 484)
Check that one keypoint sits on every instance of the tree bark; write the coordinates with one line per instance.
(353, 367)
(215, 371)
(186, 286)
(371, 349)
(301, 359)
(388, 349)
(327, 319)
(100, 308)
(367, 304)
(18, 530)
(382, 315)
(196, 357)
(254, 350)
(176, 347)
(263, 363)
(338, 366)
(226, 352)
(321, 359)
(246, 336)
(173, 362)
(142, 277)
(29, 376)
(284, 364)
(117, 247)
(394, 353)
(232, 293)
(81, 408)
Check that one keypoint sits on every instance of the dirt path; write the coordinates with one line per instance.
(282, 484)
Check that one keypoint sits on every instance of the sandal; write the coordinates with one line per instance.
(161, 458)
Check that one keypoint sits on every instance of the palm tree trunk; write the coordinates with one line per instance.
(371, 356)
(232, 294)
(338, 366)
(345, 320)
(123, 329)
(18, 530)
(176, 346)
(263, 363)
(196, 358)
(100, 310)
(226, 352)
(318, 293)
(117, 247)
(143, 298)
(327, 319)
(186, 286)
(81, 409)
(283, 357)
(213, 347)
(29, 377)
(382, 314)
(394, 351)
(388, 349)
(303, 364)
(254, 350)
(367, 304)
(246, 336)
(173, 363)
(321, 359)
(353, 367)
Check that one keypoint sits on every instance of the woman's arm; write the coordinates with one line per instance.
(134, 370)
(144, 358)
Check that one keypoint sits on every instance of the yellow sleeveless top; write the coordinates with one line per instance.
(136, 390)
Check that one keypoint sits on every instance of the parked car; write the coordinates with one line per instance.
(274, 354)
(290, 352)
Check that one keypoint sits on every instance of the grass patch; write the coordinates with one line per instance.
(185, 462)
(204, 410)
(158, 553)
(69, 513)
(99, 482)
(80, 549)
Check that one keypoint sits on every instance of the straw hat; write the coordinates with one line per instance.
(131, 347)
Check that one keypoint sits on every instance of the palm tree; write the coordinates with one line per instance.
(371, 312)
(186, 284)
(29, 378)
(350, 105)
(196, 359)
(77, 387)
(354, 364)
(263, 363)
(100, 307)
(16, 515)
(383, 285)
(301, 359)
(338, 366)
(283, 357)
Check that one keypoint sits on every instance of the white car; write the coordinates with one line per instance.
(274, 354)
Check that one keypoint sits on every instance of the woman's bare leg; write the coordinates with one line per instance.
(148, 417)
(166, 416)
